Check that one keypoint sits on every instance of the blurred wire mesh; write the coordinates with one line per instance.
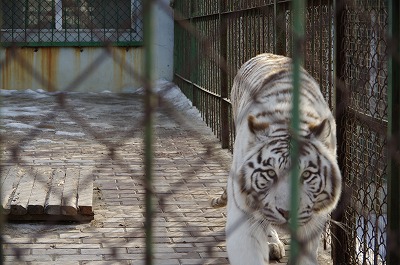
(346, 48)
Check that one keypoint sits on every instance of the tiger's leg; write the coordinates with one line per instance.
(219, 201)
(309, 251)
(245, 243)
(244, 246)
(308, 256)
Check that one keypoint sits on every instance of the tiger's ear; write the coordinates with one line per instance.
(258, 128)
(322, 131)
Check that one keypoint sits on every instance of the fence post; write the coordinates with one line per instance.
(2, 219)
(280, 28)
(193, 69)
(298, 58)
(339, 239)
(149, 105)
(393, 231)
(224, 113)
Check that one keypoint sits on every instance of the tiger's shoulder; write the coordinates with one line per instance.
(263, 86)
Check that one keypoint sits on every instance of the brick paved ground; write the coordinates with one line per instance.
(189, 169)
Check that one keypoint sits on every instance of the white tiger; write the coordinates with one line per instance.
(258, 184)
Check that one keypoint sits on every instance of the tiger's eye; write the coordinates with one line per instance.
(271, 173)
(306, 174)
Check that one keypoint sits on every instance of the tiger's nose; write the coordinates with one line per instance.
(284, 213)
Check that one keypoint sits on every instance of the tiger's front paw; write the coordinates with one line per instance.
(276, 251)
(276, 247)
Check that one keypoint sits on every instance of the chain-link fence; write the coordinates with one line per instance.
(363, 74)
(71, 23)
(56, 144)
(347, 51)
(151, 205)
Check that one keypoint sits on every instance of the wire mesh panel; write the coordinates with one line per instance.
(319, 57)
(71, 22)
(364, 72)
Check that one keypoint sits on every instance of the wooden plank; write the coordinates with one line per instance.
(70, 192)
(40, 189)
(50, 218)
(19, 202)
(9, 180)
(85, 192)
(53, 203)
(4, 198)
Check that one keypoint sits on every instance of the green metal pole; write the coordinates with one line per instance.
(150, 103)
(1, 188)
(339, 253)
(298, 38)
(224, 111)
(193, 68)
(393, 241)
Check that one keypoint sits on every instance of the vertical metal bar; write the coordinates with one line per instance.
(192, 53)
(224, 77)
(26, 22)
(298, 38)
(53, 20)
(339, 253)
(312, 41)
(1, 188)
(330, 59)
(252, 34)
(78, 13)
(2, 221)
(279, 29)
(321, 46)
(150, 102)
(393, 240)
(275, 28)
(38, 27)
(117, 21)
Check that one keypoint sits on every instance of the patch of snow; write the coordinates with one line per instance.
(69, 122)
(172, 93)
(21, 111)
(168, 90)
(44, 141)
(101, 125)
(6, 92)
(40, 93)
(18, 125)
(3, 121)
(74, 134)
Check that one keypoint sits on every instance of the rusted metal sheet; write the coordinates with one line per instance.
(55, 68)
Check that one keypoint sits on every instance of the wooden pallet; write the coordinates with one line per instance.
(45, 194)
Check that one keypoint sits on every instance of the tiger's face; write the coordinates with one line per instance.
(265, 179)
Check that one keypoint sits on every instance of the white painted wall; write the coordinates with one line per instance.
(163, 40)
